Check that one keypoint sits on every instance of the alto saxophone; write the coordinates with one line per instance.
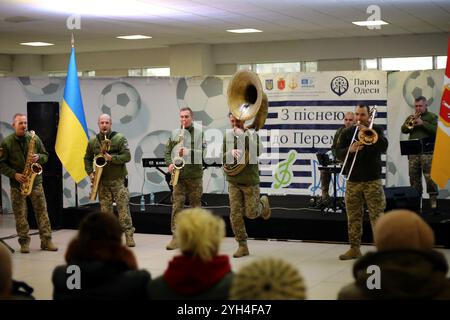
(99, 163)
(178, 161)
(32, 169)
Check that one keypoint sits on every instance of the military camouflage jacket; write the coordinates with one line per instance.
(13, 154)
(193, 140)
(119, 151)
(428, 129)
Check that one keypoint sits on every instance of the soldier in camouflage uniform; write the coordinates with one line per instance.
(190, 181)
(243, 188)
(13, 156)
(325, 176)
(424, 127)
(364, 184)
(112, 183)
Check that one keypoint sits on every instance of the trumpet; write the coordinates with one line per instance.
(366, 136)
(178, 161)
(411, 120)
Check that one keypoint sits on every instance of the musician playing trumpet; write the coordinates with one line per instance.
(111, 187)
(364, 184)
(186, 146)
(422, 125)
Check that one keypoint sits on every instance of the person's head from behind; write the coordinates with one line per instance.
(199, 233)
(268, 279)
(349, 119)
(420, 104)
(402, 230)
(5, 272)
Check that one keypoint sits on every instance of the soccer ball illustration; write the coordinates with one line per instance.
(5, 130)
(207, 99)
(420, 83)
(121, 101)
(153, 145)
(41, 86)
(84, 188)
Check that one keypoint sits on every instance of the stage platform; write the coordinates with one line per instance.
(291, 219)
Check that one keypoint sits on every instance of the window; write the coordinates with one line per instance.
(277, 67)
(149, 72)
(369, 64)
(248, 67)
(406, 64)
(79, 73)
(441, 62)
(309, 66)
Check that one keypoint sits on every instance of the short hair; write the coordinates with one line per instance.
(100, 226)
(5, 272)
(105, 114)
(420, 98)
(18, 115)
(268, 279)
(199, 233)
(187, 109)
(349, 112)
(364, 106)
(402, 229)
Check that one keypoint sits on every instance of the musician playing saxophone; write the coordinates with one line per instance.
(14, 157)
(189, 147)
(422, 125)
(112, 182)
(364, 183)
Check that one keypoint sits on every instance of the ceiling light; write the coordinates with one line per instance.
(244, 30)
(37, 44)
(367, 23)
(134, 37)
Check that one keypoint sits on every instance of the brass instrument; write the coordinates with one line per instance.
(99, 162)
(366, 136)
(246, 100)
(32, 169)
(411, 120)
(178, 161)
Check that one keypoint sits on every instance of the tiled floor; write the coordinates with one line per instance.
(323, 272)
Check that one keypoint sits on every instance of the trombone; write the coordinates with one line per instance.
(366, 136)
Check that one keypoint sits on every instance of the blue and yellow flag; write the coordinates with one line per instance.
(72, 137)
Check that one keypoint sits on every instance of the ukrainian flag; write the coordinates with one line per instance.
(72, 137)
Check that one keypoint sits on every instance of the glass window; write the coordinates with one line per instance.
(309, 66)
(277, 67)
(441, 62)
(149, 72)
(369, 64)
(406, 64)
(248, 67)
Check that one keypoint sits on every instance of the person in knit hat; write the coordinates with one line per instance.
(268, 279)
(409, 267)
(199, 272)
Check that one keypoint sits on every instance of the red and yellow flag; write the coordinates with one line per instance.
(440, 168)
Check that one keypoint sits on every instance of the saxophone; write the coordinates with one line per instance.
(99, 163)
(178, 161)
(32, 169)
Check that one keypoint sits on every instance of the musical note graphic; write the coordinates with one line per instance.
(283, 174)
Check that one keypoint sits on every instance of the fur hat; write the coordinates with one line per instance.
(268, 279)
(402, 229)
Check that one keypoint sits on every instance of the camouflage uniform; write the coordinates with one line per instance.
(190, 181)
(243, 188)
(12, 161)
(112, 183)
(364, 184)
(421, 163)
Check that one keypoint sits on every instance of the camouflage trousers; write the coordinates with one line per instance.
(244, 201)
(190, 188)
(39, 203)
(356, 193)
(115, 191)
(418, 164)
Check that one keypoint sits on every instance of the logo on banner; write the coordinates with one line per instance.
(283, 174)
(281, 84)
(307, 82)
(339, 85)
(293, 83)
(269, 84)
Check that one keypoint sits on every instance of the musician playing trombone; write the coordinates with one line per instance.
(364, 179)
(186, 145)
(112, 187)
(422, 125)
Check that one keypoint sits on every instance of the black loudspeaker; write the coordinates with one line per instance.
(402, 198)
(43, 118)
